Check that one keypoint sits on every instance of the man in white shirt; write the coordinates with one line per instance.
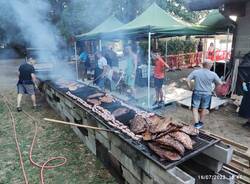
(101, 70)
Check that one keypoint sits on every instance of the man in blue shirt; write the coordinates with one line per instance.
(202, 91)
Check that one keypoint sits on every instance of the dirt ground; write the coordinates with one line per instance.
(53, 140)
(57, 140)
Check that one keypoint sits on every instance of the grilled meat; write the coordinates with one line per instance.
(120, 111)
(171, 142)
(94, 101)
(183, 138)
(156, 119)
(190, 130)
(96, 95)
(164, 153)
(138, 125)
(73, 87)
(106, 99)
(147, 136)
(177, 124)
(171, 128)
(160, 126)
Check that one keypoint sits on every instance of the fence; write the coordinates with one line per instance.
(190, 60)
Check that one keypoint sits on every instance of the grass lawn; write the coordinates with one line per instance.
(52, 140)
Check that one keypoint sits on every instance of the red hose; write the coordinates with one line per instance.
(16, 140)
(42, 166)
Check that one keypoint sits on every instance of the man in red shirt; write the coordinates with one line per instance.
(159, 75)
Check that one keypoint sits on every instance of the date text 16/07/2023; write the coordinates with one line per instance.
(215, 177)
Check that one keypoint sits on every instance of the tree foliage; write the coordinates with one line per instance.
(82, 15)
(74, 17)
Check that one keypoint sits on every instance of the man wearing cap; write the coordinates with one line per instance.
(202, 91)
(26, 83)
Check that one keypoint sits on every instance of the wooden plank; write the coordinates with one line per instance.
(240, 170)
(240, 163)
(242, 155)
(225, 140)
(243, 180)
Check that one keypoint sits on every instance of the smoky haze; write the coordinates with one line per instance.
(31, 17)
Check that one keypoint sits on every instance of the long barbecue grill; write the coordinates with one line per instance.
(202, 141)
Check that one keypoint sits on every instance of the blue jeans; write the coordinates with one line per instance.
(201, 101)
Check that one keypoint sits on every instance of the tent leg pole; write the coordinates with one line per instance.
(214, 54)
(166, 49)
(76, 60)
(149, 67)
(100, 45)
(225, 65)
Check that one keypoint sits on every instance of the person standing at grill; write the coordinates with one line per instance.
(26, 83)
(202, 91)
(245, 104)
(101, 70)
(83, 66)
(159, 75)
(130, 71)
(111, 57)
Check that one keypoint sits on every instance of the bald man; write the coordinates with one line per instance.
(202, 91)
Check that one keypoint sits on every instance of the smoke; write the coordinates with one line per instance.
(32, 19)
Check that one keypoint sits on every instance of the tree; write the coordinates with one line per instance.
(80, 16)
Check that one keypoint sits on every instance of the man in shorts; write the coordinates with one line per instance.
(202, 91)
(26, 83)
(159, 75)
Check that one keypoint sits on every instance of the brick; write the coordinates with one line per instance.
(208, 162)
(129, 177)
(146, 179)
(90, 142)
(116, 140)
(103, 140)
(126, 161)
(79, 134)
(70, 104)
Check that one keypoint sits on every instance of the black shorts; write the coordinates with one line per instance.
(158, 83)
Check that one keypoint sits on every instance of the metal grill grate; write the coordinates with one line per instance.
(203, 141)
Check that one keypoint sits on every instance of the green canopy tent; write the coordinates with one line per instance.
(109, 24)
(217, 22)
(157, 21)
